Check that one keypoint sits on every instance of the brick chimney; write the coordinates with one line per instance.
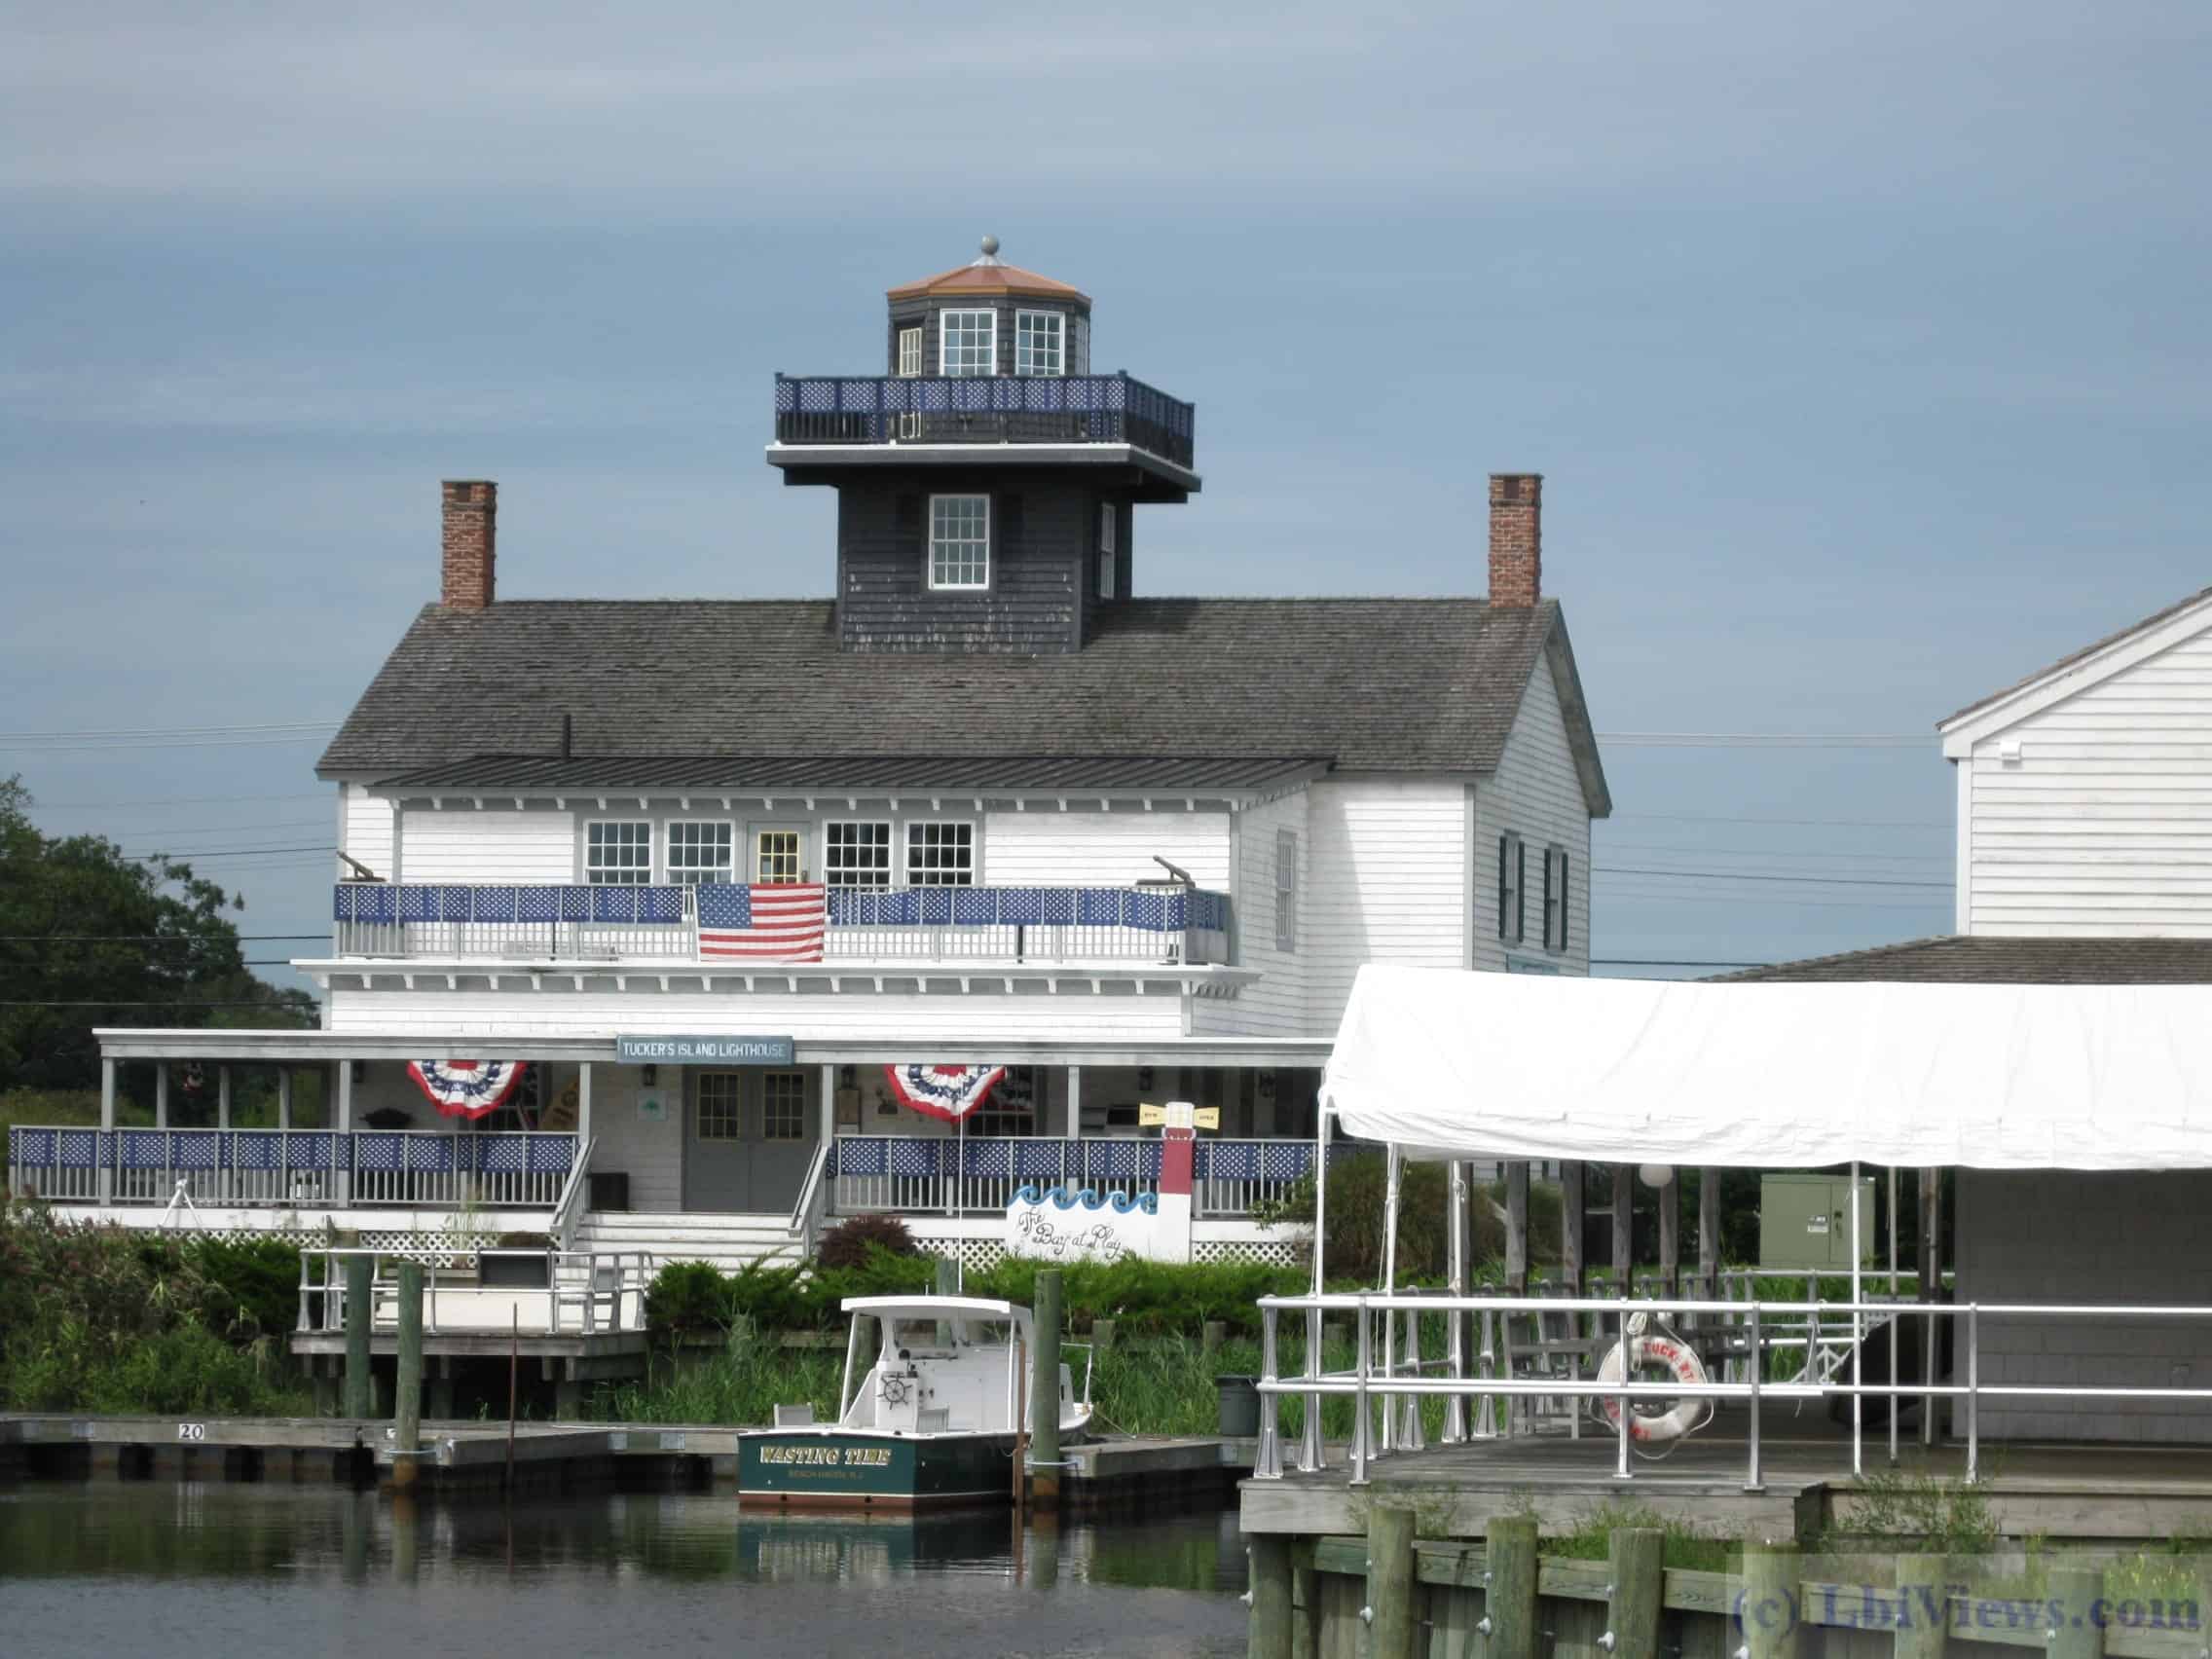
(1515, 538)
(471, 518)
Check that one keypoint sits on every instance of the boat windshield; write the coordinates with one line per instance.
(929, 1336)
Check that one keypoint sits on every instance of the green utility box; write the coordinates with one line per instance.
(1805, 1222)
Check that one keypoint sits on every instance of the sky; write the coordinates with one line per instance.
(1863, 350)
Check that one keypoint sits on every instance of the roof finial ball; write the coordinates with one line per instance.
(990, 248)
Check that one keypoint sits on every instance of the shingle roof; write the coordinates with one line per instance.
(1381, 684)
(1980, 960)
(2071, 657)
(873, 774)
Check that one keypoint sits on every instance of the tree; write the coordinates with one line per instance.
(90, 937)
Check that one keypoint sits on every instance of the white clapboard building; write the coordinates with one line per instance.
(2084, 857)
(704, 868)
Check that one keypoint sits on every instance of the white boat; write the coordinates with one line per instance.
(934, 1419)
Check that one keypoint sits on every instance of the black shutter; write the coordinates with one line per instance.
(1504, 882)
(1563, 912)
(1520, 892)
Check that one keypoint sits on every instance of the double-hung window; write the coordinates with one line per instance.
(960, 541)
(968, 342)
(1040, 342)
(618, 853)
(940, 854)
(857, 853)
(1555, 899)
(1109, 534)
(1286, 890)
(700, 852)
(1512, 882)
(909, 352)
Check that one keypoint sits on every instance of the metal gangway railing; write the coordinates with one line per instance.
(1395, 1379)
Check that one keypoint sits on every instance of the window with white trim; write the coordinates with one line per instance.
(909, 352)
(720, 1113)
(700, 852)
(618, 853)
(783, 1106)
(1040, 342)
(960, 541)
(1286, 890)
(941, 852)
(1109, 527)
(1555, 899)
(968, 342)
(1512, 873)
(857, 853)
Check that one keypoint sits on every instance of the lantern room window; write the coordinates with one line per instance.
(1039, 341)
(968, 342)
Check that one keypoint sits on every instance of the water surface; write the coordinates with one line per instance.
(161, 1568)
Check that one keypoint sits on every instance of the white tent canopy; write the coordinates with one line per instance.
(1777, 1075)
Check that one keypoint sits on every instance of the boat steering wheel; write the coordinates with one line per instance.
(895, 1390)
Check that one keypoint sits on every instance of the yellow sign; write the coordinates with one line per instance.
(1179, 1114)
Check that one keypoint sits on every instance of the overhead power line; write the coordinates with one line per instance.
(1746, 876)
(1823, 822)
(36, 1002)
(1767, 739)
(1667, 962)
(148, 938)
(234, 729)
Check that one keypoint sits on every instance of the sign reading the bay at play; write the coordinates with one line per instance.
(706, 1051)
(1051, 1224)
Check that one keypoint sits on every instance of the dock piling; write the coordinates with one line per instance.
(407, 1382)
(1270, 1597)
(1045, 1393)
(1509, 1601)
(1770, 1620)
(361, 1310)
(1394, 1619)
(1923, 1624)
(2078, 1612)
(1636, 1557)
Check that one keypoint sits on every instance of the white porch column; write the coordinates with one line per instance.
(1075, 1101)
(283, 1097)
(222, 1097)
(107, 1127)
(343, 1179)
(828, 1104)
(161, 1094)
(584, 1104)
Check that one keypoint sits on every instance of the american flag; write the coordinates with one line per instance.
(781, 923)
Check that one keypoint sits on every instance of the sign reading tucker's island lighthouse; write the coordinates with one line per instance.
(706, 1051)
(1053, 1224)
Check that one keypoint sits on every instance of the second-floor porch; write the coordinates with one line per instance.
(727, 922)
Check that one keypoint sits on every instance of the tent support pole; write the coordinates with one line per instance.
(1930, 1268)
(1393, 1187)
(1516, 1227)
(1709, 1231)
(1897, 1322)
(1671, 1235)
(1624, 1229)
(1456, 1323)
(1571, 1212)
(1858, 1340)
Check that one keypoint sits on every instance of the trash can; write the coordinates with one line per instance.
(1239, 1406)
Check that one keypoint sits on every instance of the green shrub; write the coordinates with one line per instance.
(1148, 1297)
(849, 1243)
(687, 1299)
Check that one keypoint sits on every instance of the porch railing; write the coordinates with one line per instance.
(1386, 1384)
(981, 1174)
(573, 923)
(292, 1168)
(563, 1292)
(984, 409)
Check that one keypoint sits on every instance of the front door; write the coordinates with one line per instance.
(753, 1136)
(777, 855)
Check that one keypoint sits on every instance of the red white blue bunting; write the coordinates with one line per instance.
(950, 1093)
(466, 1088)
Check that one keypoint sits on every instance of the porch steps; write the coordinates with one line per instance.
(725, 1240)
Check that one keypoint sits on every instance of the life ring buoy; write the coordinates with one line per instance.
(1661, 1349)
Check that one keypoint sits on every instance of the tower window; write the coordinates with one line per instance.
(1039, 343)
(910, 351)
(960, 541)
(968, 342)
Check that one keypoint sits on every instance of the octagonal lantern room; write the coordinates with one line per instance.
(988, 318)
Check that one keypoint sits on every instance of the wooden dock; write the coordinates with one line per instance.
(472, 1456)
(2068, 1491)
